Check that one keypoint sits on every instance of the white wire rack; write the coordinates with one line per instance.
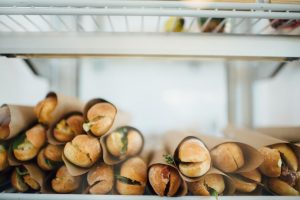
(28, 20)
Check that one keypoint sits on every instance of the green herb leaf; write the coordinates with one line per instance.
(124, 139)
(21, 171)
(213, 192)
(127, 180)
(2, 148)
(169, 159)
(86, 126)
(19, 140)
(52, 164)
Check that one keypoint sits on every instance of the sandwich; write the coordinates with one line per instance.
(281, 165)
(99, 116)
(132, 177)
(28, 144)
(246, 182)
(228, 157)
(209, 184)
(83, 151)
(100, 179)
(44, 109)
(124, 142)
(193, 157)
(66, 129)
(164, 180)
(64, 182)
(50, 157)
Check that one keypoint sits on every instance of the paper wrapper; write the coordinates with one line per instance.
(50, 137)
(253, 159)
(65, 104)
(20, 117)
(290, 134)
(107, 157)
(36, 173)
(158, 158)
(172, 141)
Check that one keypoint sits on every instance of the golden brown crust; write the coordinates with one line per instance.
(160, 176)
(66, 129)
(64, 182)
(288, 155)
(36, 136)
(100, 179)
(4, 132)
(3, 158)
(4, 122)
(271, 166)
(135, 143)
(282, 188)
(201, 187)
(83, 151)
(31, 182)
(75, 122)
(41, 161)
(253, 175)
(227, 157)
(44, 109)
(135, 169)
(25, 151)
(105, 112)
(18, 183)
(194, 169)
(243, 186)
(114, 143)
(54, 152)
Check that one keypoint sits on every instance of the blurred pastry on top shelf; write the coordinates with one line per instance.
(174, 24)
(28, 144)
(210, 26)
(228, 157)
(132, 178)
(100, 179)
(50, 157)
(64, 182)
(83, 151)
(66, 129)
(207, 185)
(3, 157)
(284, 24)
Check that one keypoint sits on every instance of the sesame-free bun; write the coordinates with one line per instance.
(288, 155)
(164, 180)
(200, 187)
(83, 150)
(271, 166)
(244, 185)
(194, 158)
(44, 109)
(227, 157)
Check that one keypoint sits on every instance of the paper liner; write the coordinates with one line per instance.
(36, 173)
(107, 157)
(253, 159)
(158, 158)
(50, 137)
(172, 140)
(20, 118)
(91, 103)
(65, 104)
(290, 134)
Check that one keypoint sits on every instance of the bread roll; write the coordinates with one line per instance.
(100, 179)
(271, 166)
(288, 155)
(100, 118)
(282, 188)
(64, 182)
(248, 183)
(133, 177)
(228, 157)
(50, 157)
(124, 142)
(194, 158)
(83, 150)
(27, 146)
(22, 181)
(66, 129)
(44, 109)
(205, 184)
(4, 122)
(164, 180)
(3, 158)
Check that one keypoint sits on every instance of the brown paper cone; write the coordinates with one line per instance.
(290, 134)
(172, 141)
(50, 137)
(20, 117)
(158, 158)
(253, 158)
(107, 157)
(36, 173)
(65, 104)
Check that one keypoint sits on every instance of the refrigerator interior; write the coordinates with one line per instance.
(248, 75)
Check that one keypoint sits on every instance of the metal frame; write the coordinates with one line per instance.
(153, 45)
